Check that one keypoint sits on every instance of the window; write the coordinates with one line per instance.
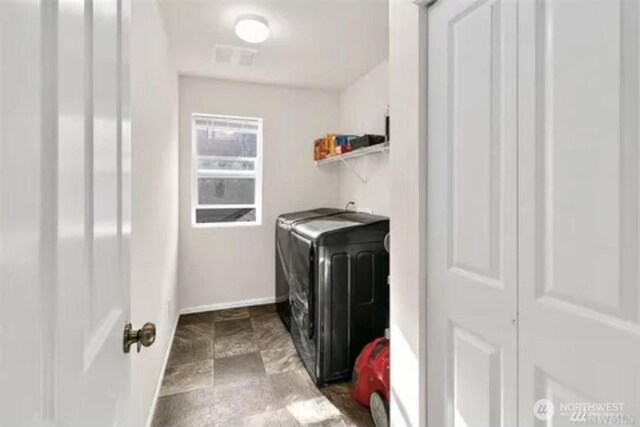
(227, 170)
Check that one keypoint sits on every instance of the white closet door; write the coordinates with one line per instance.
(579, 210)
(472, 212)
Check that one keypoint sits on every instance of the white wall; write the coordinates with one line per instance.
(362, 108)
(236, 264)
(154, 243)
(407, 62)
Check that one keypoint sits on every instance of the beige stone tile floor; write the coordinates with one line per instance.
(239, 367)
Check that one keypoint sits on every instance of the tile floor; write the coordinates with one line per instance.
(238, 367)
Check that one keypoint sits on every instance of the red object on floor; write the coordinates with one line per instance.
(371, 372)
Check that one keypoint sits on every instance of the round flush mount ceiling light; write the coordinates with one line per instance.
(252, 28)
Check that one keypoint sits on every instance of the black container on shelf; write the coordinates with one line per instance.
(387, 124)
(366, 141)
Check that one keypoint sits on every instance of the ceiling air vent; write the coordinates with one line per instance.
(234, 55)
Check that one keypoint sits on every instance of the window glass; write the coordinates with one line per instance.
(225, 143)
(226, 191)
(227, 169)
(204, 216)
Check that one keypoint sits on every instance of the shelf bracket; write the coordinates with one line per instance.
(355, 172)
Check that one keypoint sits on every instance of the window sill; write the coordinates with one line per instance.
(225, 224)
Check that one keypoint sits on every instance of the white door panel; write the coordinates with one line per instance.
(20, 215)
(579, 206)
(472, 176)
(64, 218)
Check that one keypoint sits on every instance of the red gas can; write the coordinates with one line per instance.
(371, 378)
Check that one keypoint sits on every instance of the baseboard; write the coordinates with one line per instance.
(226, 305)
(164, 367)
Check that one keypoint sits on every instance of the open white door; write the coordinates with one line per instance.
(471, 214)
(579, 212)
(64, 212)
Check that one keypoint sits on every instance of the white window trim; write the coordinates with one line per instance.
(257, 173)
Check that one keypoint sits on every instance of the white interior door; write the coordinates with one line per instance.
(471, 214)
(64, 212)
(579, 211)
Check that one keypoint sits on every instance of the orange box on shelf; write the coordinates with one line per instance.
(331, 142)
(321, 149)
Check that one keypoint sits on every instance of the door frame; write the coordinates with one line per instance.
(408, 290)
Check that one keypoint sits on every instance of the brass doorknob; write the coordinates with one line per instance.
(145, 336)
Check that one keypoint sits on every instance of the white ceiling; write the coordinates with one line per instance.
(313, 43)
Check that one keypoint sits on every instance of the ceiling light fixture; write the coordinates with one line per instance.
(252, 28)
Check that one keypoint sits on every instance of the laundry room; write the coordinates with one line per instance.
(283, 141)
(327, 213)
